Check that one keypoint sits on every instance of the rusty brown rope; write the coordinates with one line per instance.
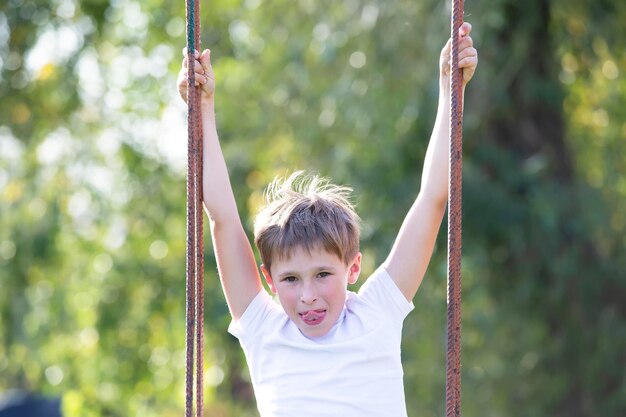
(199, 246)
(453, 358)
(195, 242)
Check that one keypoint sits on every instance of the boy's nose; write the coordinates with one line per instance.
(308, 295)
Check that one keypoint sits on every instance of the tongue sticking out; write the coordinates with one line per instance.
(314, 316)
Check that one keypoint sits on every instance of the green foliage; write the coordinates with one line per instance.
(92, 190)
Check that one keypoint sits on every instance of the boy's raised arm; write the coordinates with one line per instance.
(412, 250)
(235, 259)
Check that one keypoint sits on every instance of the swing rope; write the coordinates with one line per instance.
(453, 358)
(195, 241)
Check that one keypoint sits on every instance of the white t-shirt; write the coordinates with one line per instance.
(354, 370)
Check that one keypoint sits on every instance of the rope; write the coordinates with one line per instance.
(195, 241)
(453, 358)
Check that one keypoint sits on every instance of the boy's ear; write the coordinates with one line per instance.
(268, 278)
(355, 269)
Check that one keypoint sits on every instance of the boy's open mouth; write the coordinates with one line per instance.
(313, 317)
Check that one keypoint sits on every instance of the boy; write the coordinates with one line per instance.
(324, 351)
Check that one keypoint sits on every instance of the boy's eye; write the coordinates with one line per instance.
(289, 279)
(323, 274)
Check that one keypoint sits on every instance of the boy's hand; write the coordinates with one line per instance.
(468, 56)
(204, 76)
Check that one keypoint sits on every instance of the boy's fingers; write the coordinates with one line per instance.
(466, 42)
(205, 59)
(464, 55)
(196, 53)
(468, 61)
(465, 29)
(198, 68)
(467, 52)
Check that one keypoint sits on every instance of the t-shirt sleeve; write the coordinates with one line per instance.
(381, 293)
(252, 319)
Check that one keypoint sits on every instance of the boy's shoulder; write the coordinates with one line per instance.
(381, 292)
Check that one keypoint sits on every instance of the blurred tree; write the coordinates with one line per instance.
(564, 272)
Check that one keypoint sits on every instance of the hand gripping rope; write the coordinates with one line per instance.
(195, 242)
(453, 358)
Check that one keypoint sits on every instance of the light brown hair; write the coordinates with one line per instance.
(306, 211)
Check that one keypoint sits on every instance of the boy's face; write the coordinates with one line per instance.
(311, 287)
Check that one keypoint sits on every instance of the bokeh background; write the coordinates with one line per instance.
(92, 190)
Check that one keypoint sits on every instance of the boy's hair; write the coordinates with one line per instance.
(306, 211)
